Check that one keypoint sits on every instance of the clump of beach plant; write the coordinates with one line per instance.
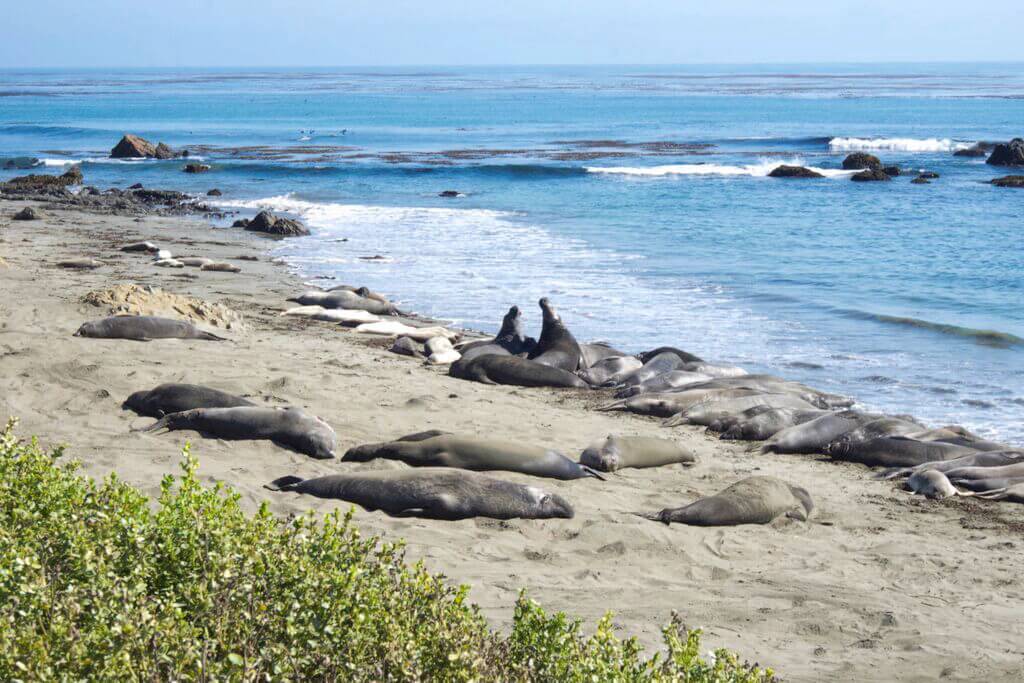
(98, 582)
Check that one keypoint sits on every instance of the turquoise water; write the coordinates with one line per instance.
(635, 197)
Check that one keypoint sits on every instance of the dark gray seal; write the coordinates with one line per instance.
(765, 422)
(617, 452)
(174, 398)
(289, 427)
(754, 500)
(510, 340)
(556, 346)
(980, 459)
(491, 369)
(433, 493)
(815, 435)
(473, 453)
(893, 451)
(143, 328)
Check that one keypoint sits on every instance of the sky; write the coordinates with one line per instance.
(183, 33)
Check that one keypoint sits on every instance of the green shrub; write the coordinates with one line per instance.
(98, 582)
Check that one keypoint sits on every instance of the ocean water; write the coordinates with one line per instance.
(635, 197)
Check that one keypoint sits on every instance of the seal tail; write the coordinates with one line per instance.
(591, 472)
(209, 336)
(287, 483)
(676, 420)
(614, 405)
(652, 516)
(894, 472)
(993, 494)
(162, 423)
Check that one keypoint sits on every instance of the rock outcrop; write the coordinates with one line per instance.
(42, 184)
(869, 175)
(135, 147)
(892, 171)
(196, 168)
(978, 149)
(1010, 154)
(270, 224)
(1009, 181)
(861, 160)
(793, 172)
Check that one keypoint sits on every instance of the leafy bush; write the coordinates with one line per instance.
(98, 582)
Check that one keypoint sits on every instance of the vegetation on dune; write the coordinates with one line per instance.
(98, 582)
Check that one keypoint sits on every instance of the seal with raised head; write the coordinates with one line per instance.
(473, 453)
(616, 452)
(433, 493)
(174, 398)
(510, 340)
(492, 369)
(288, 427)
(754, 500)
(556, 346)
(143, 328)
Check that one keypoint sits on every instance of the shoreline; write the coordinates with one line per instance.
(860, 591)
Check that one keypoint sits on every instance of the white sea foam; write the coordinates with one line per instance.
(758, 170)
(896, 144)
(106, 160)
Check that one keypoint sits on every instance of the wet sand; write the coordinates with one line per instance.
(879, 585)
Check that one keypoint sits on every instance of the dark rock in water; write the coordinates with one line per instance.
(1010, 154)
(214, 193)
(241, 223)
(1009, 181)
(270, 224)
(920, 180)
(133, 147)
(136, 186)
(869, 175)
(21, 163)
(978, 149)
(91, 191)
(43, 184)
(861, 160)
(29, 213)
(196, 168)
(162, 151)
(928, 175)
(159, 196)
(184, 154)
(793, 172)
(892, 171)
(449, 193)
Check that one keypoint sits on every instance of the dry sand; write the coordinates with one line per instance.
(878, 586)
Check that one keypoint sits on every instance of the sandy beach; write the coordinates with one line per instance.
(877, 585)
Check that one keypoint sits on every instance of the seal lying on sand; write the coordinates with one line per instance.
(556, 346)
(433, 493)
(174, 398)
(596, 351)
(510, 340)
(1012, 494)
(347, 300)
(473, 453)
(616, 452)
(683, 356)
(815, 435)
(766, 423)
(893, 451)
(987, 478)
(754, 500)
(715, 408)
(608, 370)
(491, 369)
(142, 328)
(932, 484)
(663, 383)
(288, 427)
(982, 459)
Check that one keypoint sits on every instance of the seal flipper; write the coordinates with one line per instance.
(284, 483)
(894, 472)
(591, 472)
(994, 494)
(423, 436)
(207, 336)
(159, 424)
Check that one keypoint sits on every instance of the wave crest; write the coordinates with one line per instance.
(896, 144)
(758, 170)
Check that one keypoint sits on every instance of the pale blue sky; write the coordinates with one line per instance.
(399, 32)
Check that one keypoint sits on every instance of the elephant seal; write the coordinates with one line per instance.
(1011, 494)
(510, 340)
(220, 267)
(174, 398)
(769, 384)
(147, 247)
(893, 451)
(491, 369)
(345, 317)
(617, 452)
(595, 351)
(813, 436)
(719, 406)
(474, 453)
(987, 478)
(407, 346)
(346, 300)
(142, 328)
(361, 291)
(754, 500)
(766, 423)
(979, 459)
(80, 264)
(654, 367)
(441, 352)
(287, 427)
(433, 493)
(664, 383)
(932, 484)
(683, 356)
(196, 261)
(607, 370)
(671, 404)
(556, 346)
(714, 370)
